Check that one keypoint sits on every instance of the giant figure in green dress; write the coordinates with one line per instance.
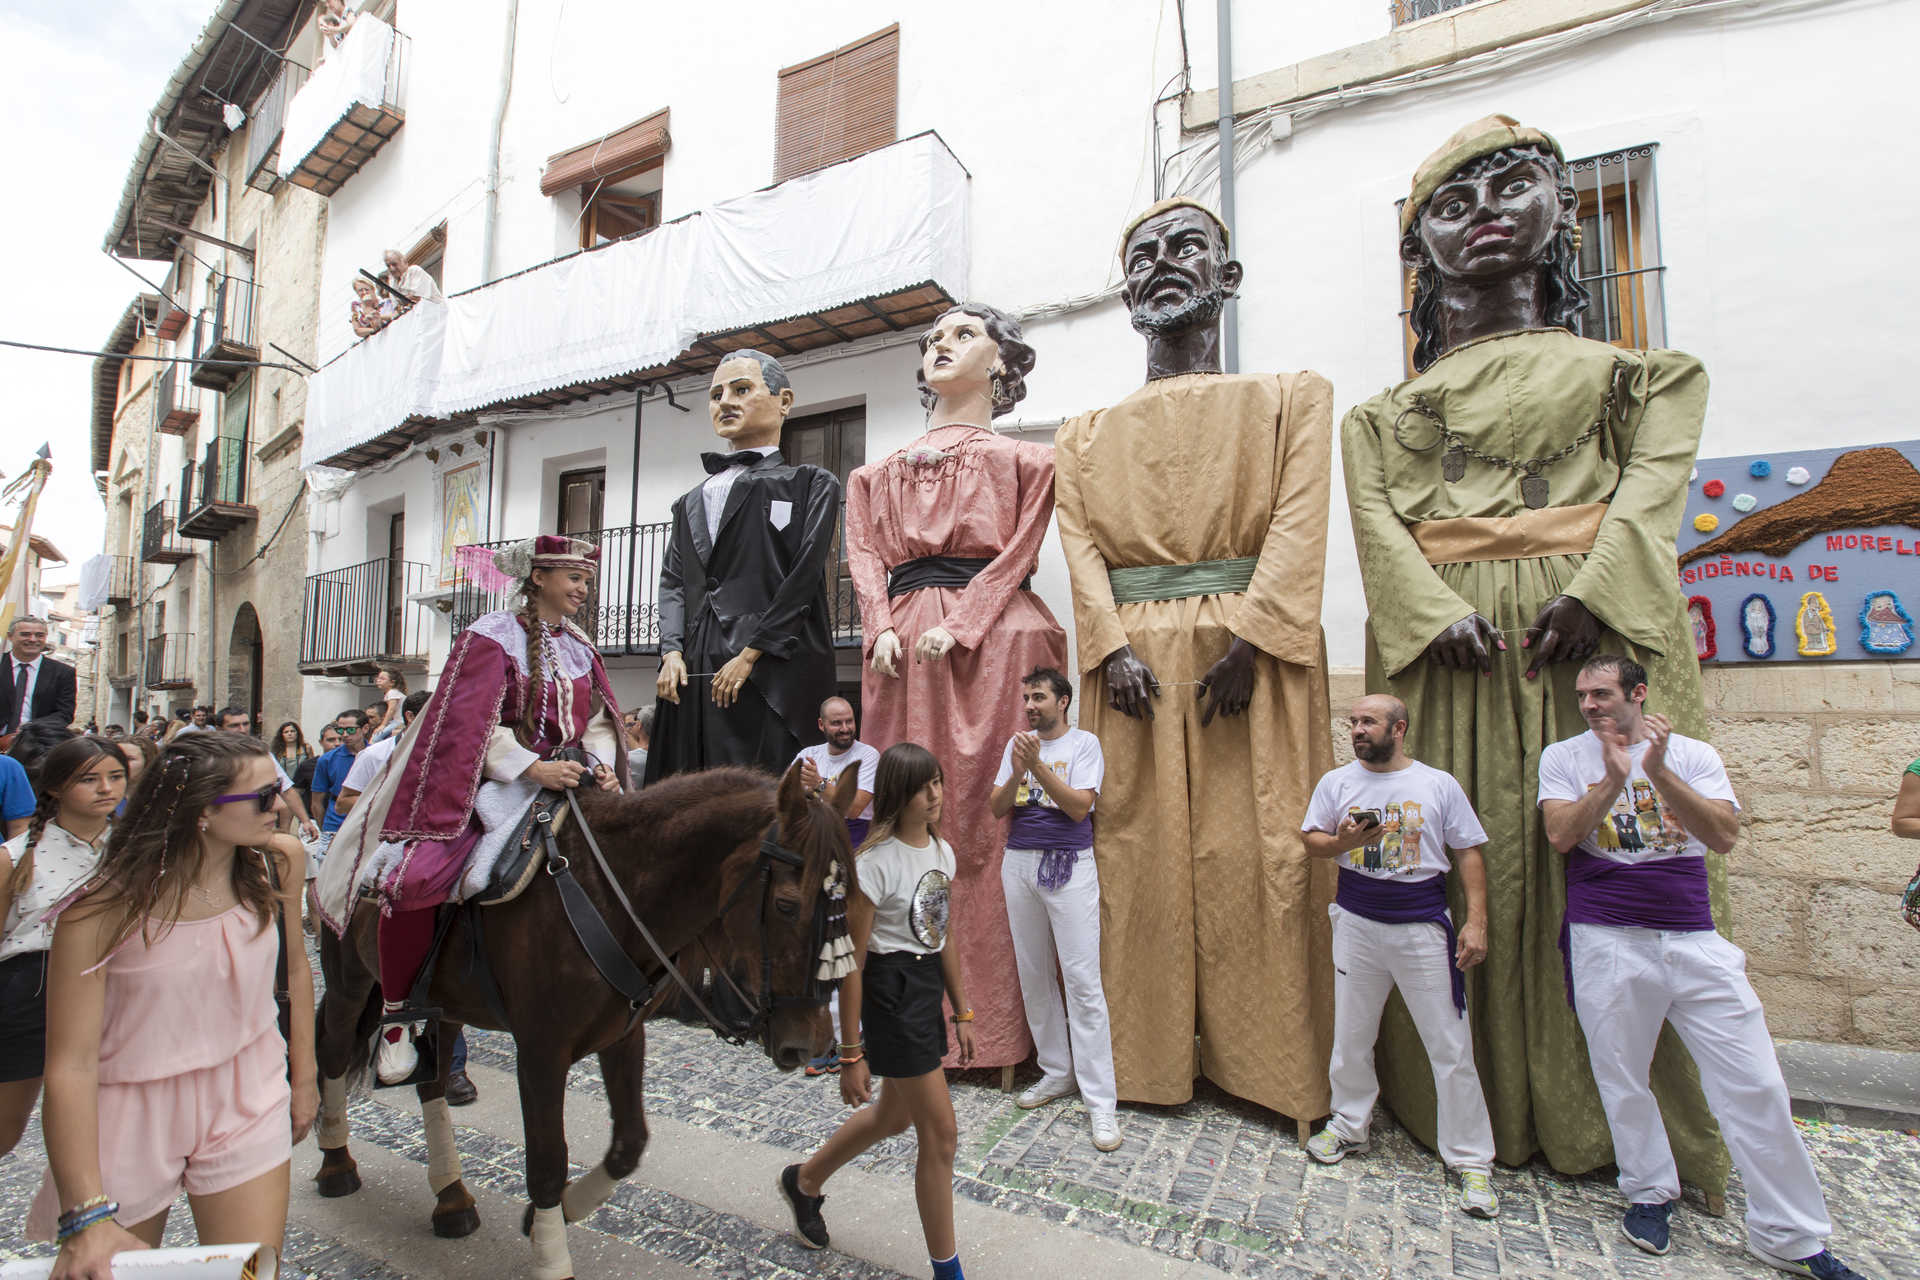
(1515, 506)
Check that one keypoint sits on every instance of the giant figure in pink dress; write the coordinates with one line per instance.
(942, 538)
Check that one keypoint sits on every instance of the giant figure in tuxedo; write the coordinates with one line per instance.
(35, 686)
(745, 654)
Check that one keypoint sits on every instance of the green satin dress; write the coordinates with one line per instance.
(1523, 396)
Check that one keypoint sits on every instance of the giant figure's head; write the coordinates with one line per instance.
(1494, 202)
(1178, 275)
(749, 399)
(974, 349)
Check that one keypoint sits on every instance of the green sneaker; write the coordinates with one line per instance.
(1329, 1147)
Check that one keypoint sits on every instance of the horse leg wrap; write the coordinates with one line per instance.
(443, 1157)
(332, 1132)
(551, 1261)
(588, 1192)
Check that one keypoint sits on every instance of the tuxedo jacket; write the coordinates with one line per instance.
(760, 582)
(55, 692)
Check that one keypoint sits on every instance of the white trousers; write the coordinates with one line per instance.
(1062, 926)
(1626, 982)
(1370, 959)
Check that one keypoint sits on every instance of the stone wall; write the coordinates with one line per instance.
(1815, 753)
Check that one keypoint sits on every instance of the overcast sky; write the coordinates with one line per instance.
(77, 80)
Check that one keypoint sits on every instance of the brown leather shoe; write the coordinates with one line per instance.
(460, 1090)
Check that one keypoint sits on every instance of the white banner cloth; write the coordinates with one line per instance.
(355, 72)
(96, 576)
(376, 384)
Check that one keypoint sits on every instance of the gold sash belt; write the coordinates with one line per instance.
(1550, 531)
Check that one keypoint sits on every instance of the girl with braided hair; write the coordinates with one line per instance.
(80, 784)
(522, 690)
(166, 1067)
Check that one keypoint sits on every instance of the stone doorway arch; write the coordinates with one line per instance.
(246, 662)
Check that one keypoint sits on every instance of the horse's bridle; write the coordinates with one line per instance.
(625, 977)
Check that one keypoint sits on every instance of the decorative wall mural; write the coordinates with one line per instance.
(463, 512)
(1700, 616)
(1805, 537)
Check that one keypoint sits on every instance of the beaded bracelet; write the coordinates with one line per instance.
(855, 1047)
(847, 1062)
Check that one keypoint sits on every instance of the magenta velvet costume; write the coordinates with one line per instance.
(483, 687)
(960, 491)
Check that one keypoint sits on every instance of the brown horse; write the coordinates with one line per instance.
(688, 854)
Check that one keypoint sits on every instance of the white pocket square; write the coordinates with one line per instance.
(779, 513)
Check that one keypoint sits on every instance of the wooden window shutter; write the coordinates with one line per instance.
(838, 105)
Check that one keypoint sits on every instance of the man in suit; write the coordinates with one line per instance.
(745, 654)
(36, 687)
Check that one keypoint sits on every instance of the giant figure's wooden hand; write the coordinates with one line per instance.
(1229, 681)
(886, 653)
(1563, 631)
(1131, 685)
(1466, 645)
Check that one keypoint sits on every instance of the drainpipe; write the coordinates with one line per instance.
(1223, 9)
(492, 215)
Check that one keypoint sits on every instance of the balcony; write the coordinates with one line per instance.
(223, 334)
(268, 124)
(347, 110)
(170, 661)
(179, 400)
(213, 501)
(173, 321)
(120, 581)
(159, 541)
(362, 617)
(871, 245)
(623, 614)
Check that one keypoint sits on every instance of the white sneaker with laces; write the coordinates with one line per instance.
(396, 1059)
(1043, 1091)
(1106, 1130)
(1329, 1147)
(1476, 1194)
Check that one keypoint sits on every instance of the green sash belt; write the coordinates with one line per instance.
(1178, 581)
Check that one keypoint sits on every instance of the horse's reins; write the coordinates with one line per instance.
(618, 968)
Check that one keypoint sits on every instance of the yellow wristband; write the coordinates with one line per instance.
(964, 1017)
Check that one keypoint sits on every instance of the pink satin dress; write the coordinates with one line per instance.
(960, 491)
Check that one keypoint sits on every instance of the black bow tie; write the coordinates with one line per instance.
(715, 463)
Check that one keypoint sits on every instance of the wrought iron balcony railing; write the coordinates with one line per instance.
(213, 493)
(361, 617)
(160, 541)
(223, 334)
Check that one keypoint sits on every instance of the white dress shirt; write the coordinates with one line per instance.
(26, 701)
(714, 492)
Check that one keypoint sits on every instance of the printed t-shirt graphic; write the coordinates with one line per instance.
(1423, 813)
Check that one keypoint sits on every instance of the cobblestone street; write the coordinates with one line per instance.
(1214, 1187)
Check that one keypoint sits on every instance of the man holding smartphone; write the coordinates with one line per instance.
(1391, 821)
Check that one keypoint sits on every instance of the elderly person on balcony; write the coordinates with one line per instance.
(411, 282)
(370, 310)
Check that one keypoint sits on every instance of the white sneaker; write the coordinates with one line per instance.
(1106, 1130)
(1476, 1194)
(1329, 1147)
(395, 1060)
(1044, 1091)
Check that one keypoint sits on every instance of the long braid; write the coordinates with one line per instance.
(536, 684)
(43, 811)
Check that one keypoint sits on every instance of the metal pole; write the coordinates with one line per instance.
(633, 522)
(1230, 343)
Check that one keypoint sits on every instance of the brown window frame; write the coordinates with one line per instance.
(838, 105)
(613, 215)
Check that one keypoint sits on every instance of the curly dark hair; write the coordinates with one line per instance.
(1016, 357)
(1566, 297)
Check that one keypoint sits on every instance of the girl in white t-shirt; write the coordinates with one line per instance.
(392, 686)
(897, 914)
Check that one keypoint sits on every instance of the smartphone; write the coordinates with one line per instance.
(1366, 817)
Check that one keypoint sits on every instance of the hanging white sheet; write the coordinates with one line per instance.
(355, 72)
(375, 385)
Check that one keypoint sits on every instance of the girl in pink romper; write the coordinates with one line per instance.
(166, 1070)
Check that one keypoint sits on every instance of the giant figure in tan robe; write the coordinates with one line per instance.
(1515, 506)
(1193, 515)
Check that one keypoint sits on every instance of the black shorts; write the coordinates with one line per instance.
(23, 1017)
(901, 1014)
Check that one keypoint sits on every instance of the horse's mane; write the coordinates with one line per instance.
(713, 811)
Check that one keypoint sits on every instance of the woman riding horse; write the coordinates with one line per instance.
(519, 687)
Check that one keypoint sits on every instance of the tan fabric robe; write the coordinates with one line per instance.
(1526, 395)
(1213, 922)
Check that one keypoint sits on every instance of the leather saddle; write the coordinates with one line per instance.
(526, 850)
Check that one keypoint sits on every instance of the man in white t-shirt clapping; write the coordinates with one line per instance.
(1048, 782)
(820, 768)
(1391, 821)
(1635, 807)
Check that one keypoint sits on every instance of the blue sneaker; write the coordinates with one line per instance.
(827, 1064)
(1822, 1265)
(1646, 1226)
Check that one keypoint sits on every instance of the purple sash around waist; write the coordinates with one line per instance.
(1666, 893)
(1058, 838)
(1399, 901)
(857, 830)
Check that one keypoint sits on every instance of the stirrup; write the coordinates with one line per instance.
(410, 1012)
